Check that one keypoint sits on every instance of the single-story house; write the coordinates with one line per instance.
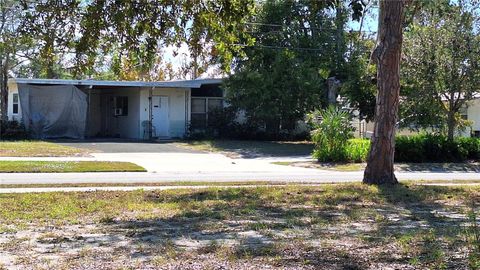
(53, 108)
(470, 112)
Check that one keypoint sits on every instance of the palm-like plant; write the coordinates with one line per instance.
(332, 129)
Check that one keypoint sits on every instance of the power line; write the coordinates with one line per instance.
(301, 27)
(284, 47)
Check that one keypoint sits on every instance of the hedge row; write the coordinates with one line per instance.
(428, 148)
(420, 148)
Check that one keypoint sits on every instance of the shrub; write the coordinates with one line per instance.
(435, 148)
(471, 146)
(222, 124)
(14, 130)
(332, 130)
(415, 149)
(357, 150)
(409, 149)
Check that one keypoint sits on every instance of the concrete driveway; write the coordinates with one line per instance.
(125, 146)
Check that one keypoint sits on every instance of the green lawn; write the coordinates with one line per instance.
(67, 166)
(38, 149)
(345, 226)
(251, 148)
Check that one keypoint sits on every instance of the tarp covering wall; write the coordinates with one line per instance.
(53, 111)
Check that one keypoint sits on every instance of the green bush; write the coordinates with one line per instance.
(332, 130)
(435, 148)
(414, 149)
(422, 148)
(357, 150)
(472, 146)
(13, 130)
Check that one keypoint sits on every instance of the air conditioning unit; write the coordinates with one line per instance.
(118, 111)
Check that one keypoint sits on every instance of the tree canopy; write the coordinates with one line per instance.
(283, 75)
(440, 71)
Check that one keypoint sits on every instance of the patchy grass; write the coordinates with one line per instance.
(67, 166)
(155, 184)
(249, 149)
(38, 149)
(347, 226)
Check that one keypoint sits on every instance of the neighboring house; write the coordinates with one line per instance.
(470, 112)
(51, 108)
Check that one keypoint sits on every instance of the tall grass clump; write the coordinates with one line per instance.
(357, 150)
(332, 129)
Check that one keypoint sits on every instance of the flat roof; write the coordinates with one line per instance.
(161, 84)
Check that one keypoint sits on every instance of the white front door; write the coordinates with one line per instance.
(160, 117)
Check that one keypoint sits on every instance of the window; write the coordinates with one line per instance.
(214, 103)
(15, 103)
(463, 113)
(199, 113)
(201, 106)
(121, 106)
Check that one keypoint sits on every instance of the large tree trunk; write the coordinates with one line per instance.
(3, 99)
(451, 124)
(386, 55)
(4, 90)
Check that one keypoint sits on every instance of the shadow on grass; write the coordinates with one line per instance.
(428, 229)
(245, 223)
(251, 224)
(439, 167)
(254, 149)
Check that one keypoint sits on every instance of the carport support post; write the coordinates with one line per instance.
(89, 113)
(150, 113)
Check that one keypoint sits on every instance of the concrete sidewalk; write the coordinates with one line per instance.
(233, 176)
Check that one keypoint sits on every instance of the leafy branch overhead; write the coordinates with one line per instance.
(142, 27)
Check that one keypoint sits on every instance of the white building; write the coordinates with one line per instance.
(473, 114)
(51, 108)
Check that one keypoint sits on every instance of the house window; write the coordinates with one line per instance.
(15, 103)
(199, 113)
(463, 113)
(121, 106)
(214, 103)
(201, 106)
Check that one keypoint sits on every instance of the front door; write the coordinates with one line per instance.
(160, 117)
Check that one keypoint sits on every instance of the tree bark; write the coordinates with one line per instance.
(3, 92)
(451, 124)
(386, 55)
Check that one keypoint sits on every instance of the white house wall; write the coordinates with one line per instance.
(473, 113)
(127, 126)
(178, 101)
